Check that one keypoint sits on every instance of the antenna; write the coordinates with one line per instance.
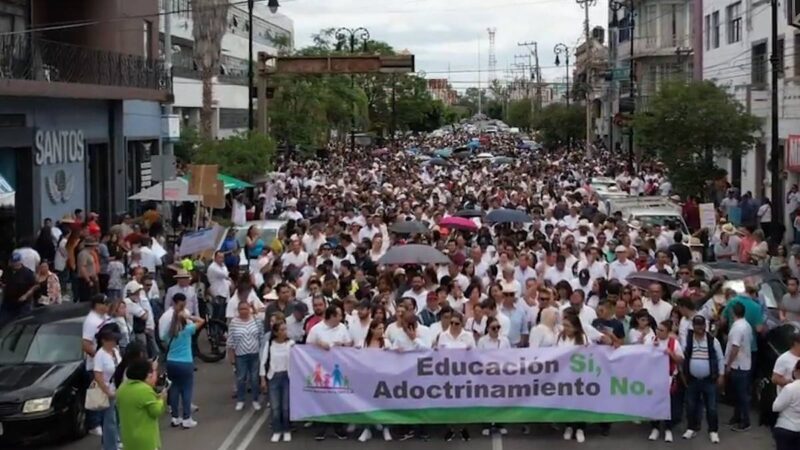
(492, 54)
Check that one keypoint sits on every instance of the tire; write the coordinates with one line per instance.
(77, 428)
(204, 347)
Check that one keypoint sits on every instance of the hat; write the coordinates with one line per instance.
(133, 287)
(635, 224)
(291, 202)
(16, 257)
(584, 223)
(182, 273)
(271, 295)
(90, 241)
(399, 271)
(695, 242)
(68, 218)
(508, 288)
(620, 249)
(728, 228)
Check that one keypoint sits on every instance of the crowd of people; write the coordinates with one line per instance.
(560, 279)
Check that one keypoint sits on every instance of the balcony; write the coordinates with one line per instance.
(36, 67)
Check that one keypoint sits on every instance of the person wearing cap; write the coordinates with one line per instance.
(137, 312)
(183, 286)
(518, 330)
(19, 287)
(704, 369)
(622, 267)
(105, 362)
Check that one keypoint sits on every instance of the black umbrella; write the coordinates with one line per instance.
(469, 213)
(508, 216)
(413, 254)
(436, 162)
(643, 280)
(409, 227)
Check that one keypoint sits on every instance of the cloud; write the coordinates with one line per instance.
(447, 34)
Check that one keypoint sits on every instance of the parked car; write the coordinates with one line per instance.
(42, 376)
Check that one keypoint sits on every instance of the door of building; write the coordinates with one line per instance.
(99, 186)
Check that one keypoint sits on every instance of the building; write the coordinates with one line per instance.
(272, 33)
(594, 82)
(662, 49)
(80, 107)
(736, 52)
(440, 89)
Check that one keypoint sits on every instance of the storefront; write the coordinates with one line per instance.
(60, 155)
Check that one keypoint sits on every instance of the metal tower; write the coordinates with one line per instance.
(492, 55)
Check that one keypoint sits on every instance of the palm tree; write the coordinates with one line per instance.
(210, 20)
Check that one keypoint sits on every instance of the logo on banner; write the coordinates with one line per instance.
(324, 381)
(60, 186)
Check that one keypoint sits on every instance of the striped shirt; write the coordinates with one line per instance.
(245, 338)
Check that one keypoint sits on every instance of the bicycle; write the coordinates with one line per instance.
(210, 341)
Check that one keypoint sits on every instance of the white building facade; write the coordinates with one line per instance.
(230, 92)
(737, 50)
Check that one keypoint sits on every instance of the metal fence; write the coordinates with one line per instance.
(24, 58)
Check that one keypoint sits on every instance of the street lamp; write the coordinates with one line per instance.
(349, 38)
(617, 5)
(562, 49)
(273, 6)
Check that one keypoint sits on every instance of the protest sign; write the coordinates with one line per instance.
(199, 241)
(563, 384)
(708, 216)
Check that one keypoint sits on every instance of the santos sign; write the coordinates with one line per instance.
(59, 147)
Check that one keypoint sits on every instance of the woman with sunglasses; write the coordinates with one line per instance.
(572, 335)
(455, 338)
(493, 340)
(375, 340)
(668, 343)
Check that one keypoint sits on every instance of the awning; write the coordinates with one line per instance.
(174, 191)
(7, 194)
(229, 182)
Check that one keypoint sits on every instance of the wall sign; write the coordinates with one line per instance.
(60, 186)
(59, 147)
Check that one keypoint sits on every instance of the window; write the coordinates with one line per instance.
(708, 32)
(6, 23)
(715, 29)
(147, 35)
(781, 58)
(734, 22)
(759, 64)
(797, 55)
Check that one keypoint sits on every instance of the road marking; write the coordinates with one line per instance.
(226, 444)
(497, 441)
(248, 438)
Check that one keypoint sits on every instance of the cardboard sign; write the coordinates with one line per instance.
(708, 216)
(215, 200)
(202, 179)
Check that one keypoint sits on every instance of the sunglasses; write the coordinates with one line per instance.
(458, 324)
(494, 328)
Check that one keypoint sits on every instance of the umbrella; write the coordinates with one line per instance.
(436, 162)
(413, 254)
(458, 223)
(229, 182)
(502, 160)
(474, 144)
(508, 216)
(469, 213)
(643, 280)
(408, 227)
(443, 152)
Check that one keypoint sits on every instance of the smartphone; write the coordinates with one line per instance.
(163, 383)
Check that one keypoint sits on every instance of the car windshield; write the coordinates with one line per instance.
(660, 220)
(40, 343)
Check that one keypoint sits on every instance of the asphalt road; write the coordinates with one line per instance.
(221, 428)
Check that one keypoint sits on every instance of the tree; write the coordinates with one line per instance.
(558, 123)
(686, 124)
(187, 146)
(244, 156)
(520, 114)
(210, 21)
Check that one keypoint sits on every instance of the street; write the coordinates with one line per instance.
(221, 428)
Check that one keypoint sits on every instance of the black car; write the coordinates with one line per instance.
(42, 376)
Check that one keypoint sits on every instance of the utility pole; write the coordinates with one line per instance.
(167, 145)
(480, 106)
(533, 49)
(586, 4)
(775, 153)
(527, 70)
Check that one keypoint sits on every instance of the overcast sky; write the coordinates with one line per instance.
(446, 33)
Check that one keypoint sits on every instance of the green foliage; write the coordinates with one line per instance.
(520, 114)
(186, 147)
(244, 156)
(687, 123)
(558, 123)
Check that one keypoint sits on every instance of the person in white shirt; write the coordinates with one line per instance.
(738, 366)
(545, 334)
(523, 272)
(560, 272)
(218, 277)
(493, 340)
(787, 405)
(358, 323)
(96, 318)
(313, 240)
(573, 335)
(622, 267)
(417, 291)
(785, 364)
(641, 332)
(274, 372)
(655, 305)
(409, 334)
(455, 336)
(105, 365)
(137, 313)
(295, 256)
(331, 332)
(662, 264)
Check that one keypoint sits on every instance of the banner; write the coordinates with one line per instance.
(587, 384)
(200, 241)
(708, 216)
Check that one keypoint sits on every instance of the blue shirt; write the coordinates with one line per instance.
(518, 325)
(231, 259)
(255, 251)
(180, 349)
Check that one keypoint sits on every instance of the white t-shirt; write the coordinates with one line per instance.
(324, 334)
(647, 337)
(295, 259)
(420, 298)
(784, 366)
(358, 331)
(463, 340)
(740, 335)
(487, 343)
(91, 325)
(620, 271)
(106, 363)
(543, 336)
(788, 402)
(660, 311)
(553, 275)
